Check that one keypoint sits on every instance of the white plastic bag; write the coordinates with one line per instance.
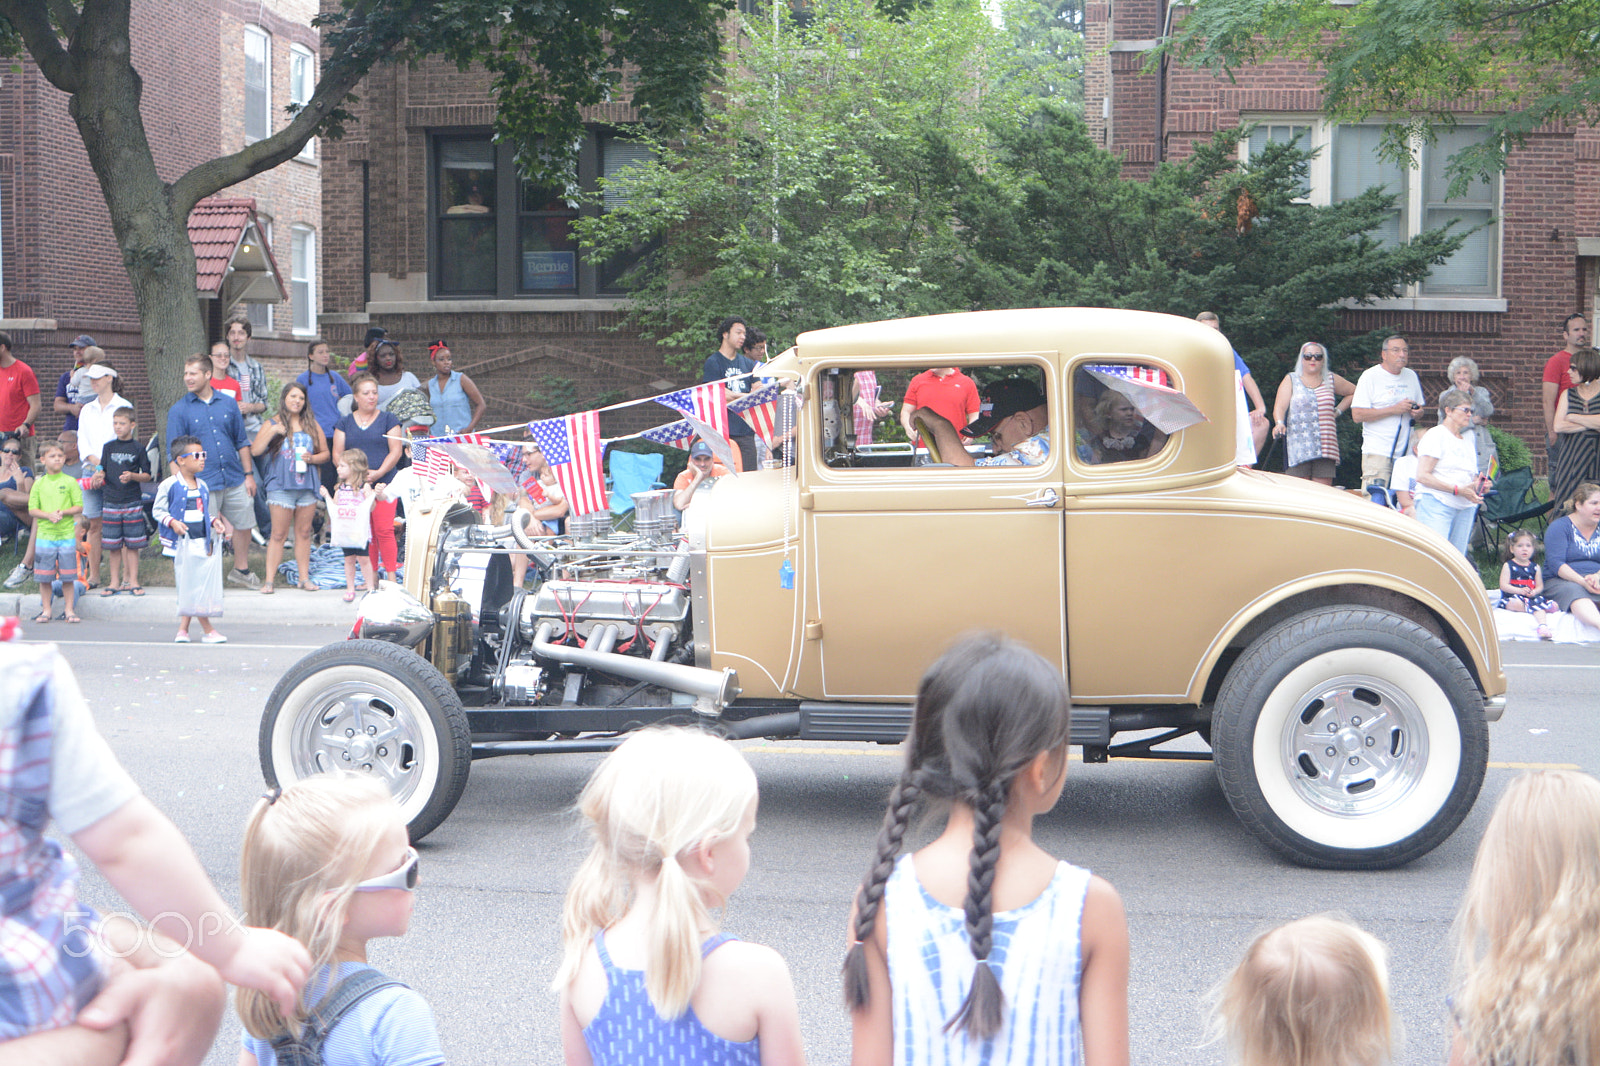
(199, 580)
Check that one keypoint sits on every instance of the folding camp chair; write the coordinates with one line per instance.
(1513, 504)
(632, 472)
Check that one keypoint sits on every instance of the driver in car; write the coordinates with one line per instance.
(1015, 418)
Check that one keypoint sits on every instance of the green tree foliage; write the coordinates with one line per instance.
(1522, 63)
(811, 200)
(1048, 37)
(1063, 228)
(548, 57)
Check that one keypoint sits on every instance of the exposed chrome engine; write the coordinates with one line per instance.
(603, 605)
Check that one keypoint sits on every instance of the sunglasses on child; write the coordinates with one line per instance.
(192, 455)
(405, 877)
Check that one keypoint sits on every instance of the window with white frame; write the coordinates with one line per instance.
(302, 82)
(1347, 163)
(257, 84)
(303, 278)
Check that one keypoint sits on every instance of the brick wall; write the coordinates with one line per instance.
(1551, 201)
(375, 184)
(61, 261)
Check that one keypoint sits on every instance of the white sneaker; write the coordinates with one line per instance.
(18, 575)
(213, 637)
(182, 637)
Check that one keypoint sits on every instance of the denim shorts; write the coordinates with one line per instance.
(292, 498)
(55, 558)
(93, 502)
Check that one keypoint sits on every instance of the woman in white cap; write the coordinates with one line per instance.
(94, 433)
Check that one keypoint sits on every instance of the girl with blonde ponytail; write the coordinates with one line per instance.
(328, 862)
(646, 976)
(982, 948)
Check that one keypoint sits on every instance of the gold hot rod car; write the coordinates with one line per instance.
(1338, 660)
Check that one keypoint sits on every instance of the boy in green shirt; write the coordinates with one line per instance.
(56, 500)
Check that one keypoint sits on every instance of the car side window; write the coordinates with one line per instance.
(868, 414)
(1109, 401)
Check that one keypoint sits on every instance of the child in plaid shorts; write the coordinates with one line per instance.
(54, 765)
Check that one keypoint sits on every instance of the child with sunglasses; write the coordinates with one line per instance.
(192, 534)
(328, 862)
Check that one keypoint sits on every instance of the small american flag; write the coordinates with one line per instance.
(572, 447)
(760, 409)
(708, 403)
(679, 434)
(431, 463)
(1148, 374)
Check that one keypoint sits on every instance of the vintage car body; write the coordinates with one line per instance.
(1339, 659)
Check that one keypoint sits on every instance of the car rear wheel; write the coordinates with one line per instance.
(1350, 739)
(371, 707)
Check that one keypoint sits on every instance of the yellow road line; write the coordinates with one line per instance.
(1534, 766)
(894, 752)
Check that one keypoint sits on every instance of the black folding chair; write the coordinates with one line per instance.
(1511, 506)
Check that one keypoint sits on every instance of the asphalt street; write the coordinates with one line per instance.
(484, 943)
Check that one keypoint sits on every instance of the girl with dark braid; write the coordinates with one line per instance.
(981, 947)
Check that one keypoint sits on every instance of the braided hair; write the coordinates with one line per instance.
(984, 711)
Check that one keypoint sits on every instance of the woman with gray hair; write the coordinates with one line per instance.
(1449, 486)
(1310, 398)
(1463, 375)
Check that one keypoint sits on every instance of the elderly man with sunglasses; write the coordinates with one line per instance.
(1387, 397)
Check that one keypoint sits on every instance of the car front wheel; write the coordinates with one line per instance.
(1350, 739)
(371, 707)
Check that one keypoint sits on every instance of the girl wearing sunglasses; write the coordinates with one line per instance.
(328, 862)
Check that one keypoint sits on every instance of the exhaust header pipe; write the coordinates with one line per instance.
(712, 690)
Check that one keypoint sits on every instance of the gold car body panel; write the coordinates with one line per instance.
(1135, 582)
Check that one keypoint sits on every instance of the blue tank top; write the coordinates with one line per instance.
(451, 408)
(627, 1030)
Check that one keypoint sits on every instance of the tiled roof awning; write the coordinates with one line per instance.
(233, 261)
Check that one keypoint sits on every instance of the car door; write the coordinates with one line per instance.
(903, 559)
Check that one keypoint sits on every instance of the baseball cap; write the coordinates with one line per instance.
(98, 370)
(1001, 400)
(82, 340)
(700, 448)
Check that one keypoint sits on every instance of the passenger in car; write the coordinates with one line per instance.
(1119, 433)
(702, 471)
(1015, 418)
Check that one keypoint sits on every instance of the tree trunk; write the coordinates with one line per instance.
(150, 228)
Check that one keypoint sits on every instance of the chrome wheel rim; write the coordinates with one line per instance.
(1354, 745)
(363, 728)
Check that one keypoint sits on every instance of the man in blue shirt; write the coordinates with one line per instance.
(214, 418)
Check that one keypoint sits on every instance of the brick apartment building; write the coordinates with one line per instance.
(430, 233)
(216, 73)
(1501, 300)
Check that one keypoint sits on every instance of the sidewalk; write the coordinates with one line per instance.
(287, 605)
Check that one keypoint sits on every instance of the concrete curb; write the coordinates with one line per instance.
(286, 605)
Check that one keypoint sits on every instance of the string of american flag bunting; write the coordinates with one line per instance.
(573, 447)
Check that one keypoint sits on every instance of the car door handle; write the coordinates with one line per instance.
(1044, 498)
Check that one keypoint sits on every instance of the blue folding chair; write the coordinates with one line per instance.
(632, 472)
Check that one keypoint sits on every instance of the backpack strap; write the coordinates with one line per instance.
(327, 1014)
